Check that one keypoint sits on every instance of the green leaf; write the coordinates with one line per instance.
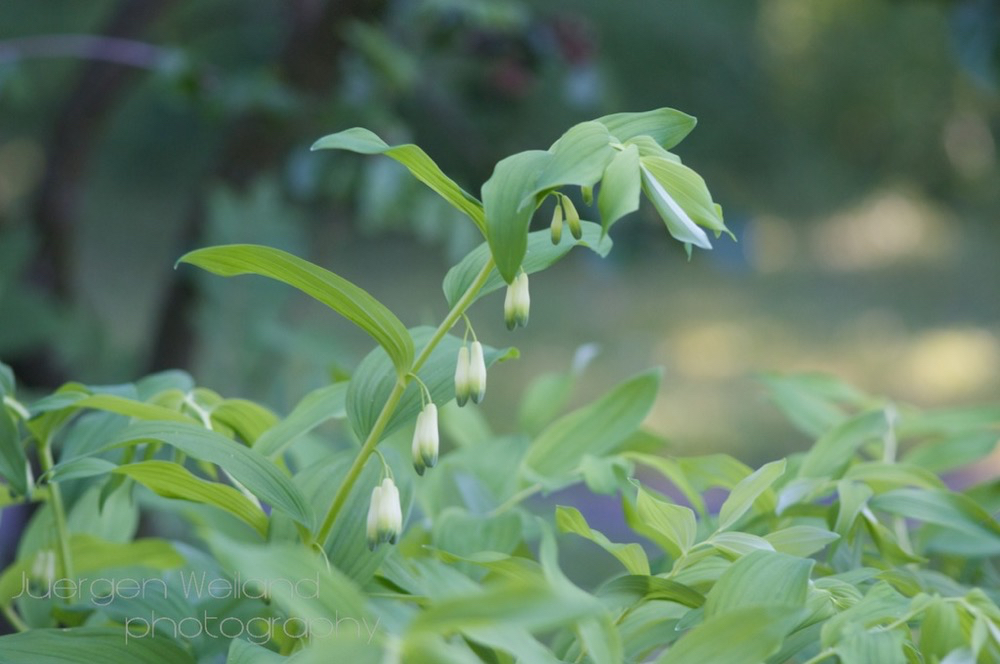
(13, 461)
(91, 554)
(853, 498)
(7, 383)
(86, 645)
(814, 402)
(882, 604)
(862, 647)
(461, 533)
(952, 451)
(318, 590)
(747, 491)
(314, 409)
(735, 637)
(413, 158)
(951, 510)
(632, 556)
(666, 126)
(635, 589)
(882, 476)
(540, 254)
(336, 292)
(620, 188)
(737, 544)
(833, 451)
(940, 630)
(374, 380)
(246, 418)
(534, 606)
(671, 470)
(507, 220)
(673, 527)
(172, 480)
(679, 223)
(760, 578)
(579, 157)
(248, 467)
(596, 429)
(543, 399)
(801, 540)
(244, 652)
(129, 407)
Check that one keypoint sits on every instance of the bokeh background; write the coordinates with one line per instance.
(851, 143)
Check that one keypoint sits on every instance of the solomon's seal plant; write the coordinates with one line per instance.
(404, 536)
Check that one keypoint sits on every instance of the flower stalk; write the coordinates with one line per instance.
(392, 402)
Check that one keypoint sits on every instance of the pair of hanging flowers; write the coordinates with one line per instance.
(385, 520)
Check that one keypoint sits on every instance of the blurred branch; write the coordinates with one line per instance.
(113, 50)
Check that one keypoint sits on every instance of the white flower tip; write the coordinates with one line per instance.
(477, 373)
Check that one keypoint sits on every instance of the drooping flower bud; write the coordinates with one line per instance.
(522, 299)
(425, 439)
(462, 387)
(517, 303)
(588, 195)
(508, 306)
(572, 218)
(557, 223)
(477, 373)
(371, 529)
(390, 514)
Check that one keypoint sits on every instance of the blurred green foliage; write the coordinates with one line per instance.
(110, 171)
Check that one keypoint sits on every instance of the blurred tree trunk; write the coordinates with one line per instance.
(256, 142)
(99, 87)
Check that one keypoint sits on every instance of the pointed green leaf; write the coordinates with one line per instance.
(952, 510)
(113, 403)
(833, 451)
(412, 157)
(596, 429)
(631, 555)
(666, 126)
(317, 590)
(13, 462)
(801, 540)
(247, 418)
(863, 647)
(540, 254)
(86, 645)
(579, 157)
(248, 467)
(735, 637)
(507, 220)
(336, 292)
(746, 492)
(760, 578)
(620, 187)
(685, 199)
(172, 480)
(315, 408)
(673, 527)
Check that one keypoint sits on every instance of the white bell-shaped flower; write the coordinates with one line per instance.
(462, 389)
(390, 513)
(426, 441)
(371, 529)
(477, 373)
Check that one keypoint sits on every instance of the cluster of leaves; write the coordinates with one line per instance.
(260, 553)
(841, 551)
